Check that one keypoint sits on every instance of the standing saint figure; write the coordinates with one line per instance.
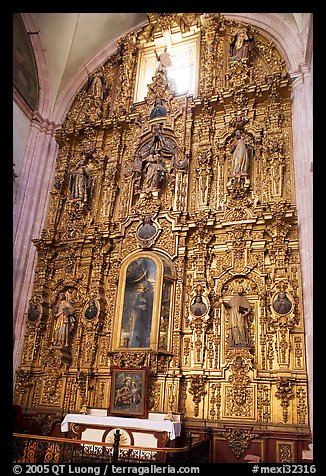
(63, 315)
(238, 308)
(79, 182)
(154, 172)
(96, 88)
(239, 151)
(164, 60)
(240, 45)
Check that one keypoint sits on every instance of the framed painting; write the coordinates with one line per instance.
(128, 392)
(25, 78)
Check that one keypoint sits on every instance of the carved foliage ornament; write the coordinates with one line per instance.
(197, 390)
(238, 440)
(285, 394)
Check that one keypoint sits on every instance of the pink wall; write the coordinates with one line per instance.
(32, 196)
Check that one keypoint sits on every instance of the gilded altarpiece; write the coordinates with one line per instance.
(180, 208)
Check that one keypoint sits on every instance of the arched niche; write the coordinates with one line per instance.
(144, 302)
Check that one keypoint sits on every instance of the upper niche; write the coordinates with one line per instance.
(180, 50)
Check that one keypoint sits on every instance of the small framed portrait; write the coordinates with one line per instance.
(128, 392)
(282, 304)
(198, 306)
(34, 312)
(147, 232)
(91, 310)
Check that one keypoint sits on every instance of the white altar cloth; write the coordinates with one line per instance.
(172, 427)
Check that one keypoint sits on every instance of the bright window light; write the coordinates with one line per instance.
(182, 73)
(181, 79)
(181, 70)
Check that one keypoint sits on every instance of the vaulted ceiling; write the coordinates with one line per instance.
(71, 39)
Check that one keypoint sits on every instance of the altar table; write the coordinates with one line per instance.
(138, 431)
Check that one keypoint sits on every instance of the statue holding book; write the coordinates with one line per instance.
(238, 309)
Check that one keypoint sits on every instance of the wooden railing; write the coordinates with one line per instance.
(42, 449)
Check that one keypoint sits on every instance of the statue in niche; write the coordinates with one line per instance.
(96, 87)
(282, 304)
(64, 320)
(149, 170)
(136, 172)
(198, 307)
(238, 309)
(241, 44)
(157, 141)
(138, 304)
(79, 182)
(240, 155)
(154, 172)
(164, 60)
(158, 110)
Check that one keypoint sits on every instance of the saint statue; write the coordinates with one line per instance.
(240, 45)
(154, 172)
(96, 89)
(64, 318)
(79, 182)
(164, 60)
(238, 309)
(239, 152)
